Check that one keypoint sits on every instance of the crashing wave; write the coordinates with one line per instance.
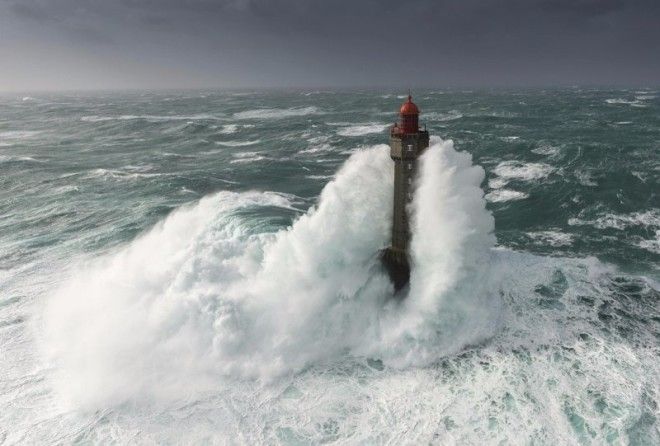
(226, 299)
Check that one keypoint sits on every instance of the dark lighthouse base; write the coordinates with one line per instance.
(397, 266)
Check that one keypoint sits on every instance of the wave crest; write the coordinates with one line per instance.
(276, 113)
(209, 293)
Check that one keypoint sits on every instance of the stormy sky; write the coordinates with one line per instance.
(107, 44)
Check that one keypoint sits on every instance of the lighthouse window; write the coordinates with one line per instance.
(409, 180)
(409, 166)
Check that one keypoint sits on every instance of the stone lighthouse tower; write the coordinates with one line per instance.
(407, 143)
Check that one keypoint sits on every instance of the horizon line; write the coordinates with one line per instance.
(334, 88)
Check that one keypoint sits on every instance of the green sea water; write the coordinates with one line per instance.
(153, 288)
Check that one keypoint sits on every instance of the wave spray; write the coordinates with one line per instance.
(209, 296)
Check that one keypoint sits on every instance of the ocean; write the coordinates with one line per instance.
(201, 267)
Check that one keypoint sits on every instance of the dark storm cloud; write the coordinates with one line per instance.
(29, 11)
(582, 7)
(344, 42)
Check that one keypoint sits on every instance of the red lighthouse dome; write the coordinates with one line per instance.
(409, 114)
(409, 107)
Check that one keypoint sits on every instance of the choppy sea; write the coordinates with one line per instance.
(202, 267)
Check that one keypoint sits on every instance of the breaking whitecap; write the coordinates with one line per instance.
(501, 195)
(276, 113)
(362, 129)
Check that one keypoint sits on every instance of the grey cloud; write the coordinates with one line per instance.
(583, 7)
(83, 34)
(342, 42)
(30, 12)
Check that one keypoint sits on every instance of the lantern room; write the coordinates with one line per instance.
(409, 118)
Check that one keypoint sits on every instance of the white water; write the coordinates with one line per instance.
(551, 238)
(362, 129)
(516, 170)
(450, 304)
(649, 220)
(215, 330)
(276, 113)
(238, 143)
(501, 195)
(226, 301)
(151, 118)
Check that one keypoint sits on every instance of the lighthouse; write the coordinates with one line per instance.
(407, 143)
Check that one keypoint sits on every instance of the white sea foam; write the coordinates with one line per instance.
(218, 299)
(151, 118)
(95, 118)
(546, 149)
(238, 143)
(66, 189)
(651, 245)
(497, 182)
(500, 195)
(362, 129)
(229, 129)
(618, 101)
(276, 113)
(449, 304)
(451, 115)
(551, 238)
(310, 93)
(319, 139)
(517, 170)
(204, 288)
(622, 101)
(247, 157)
(319, 177)
(13, 159)
(585, 178)
(206, 300)
(18, 134)
(320, 148)
(507, 171)
(648, 219)
(121, 174)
